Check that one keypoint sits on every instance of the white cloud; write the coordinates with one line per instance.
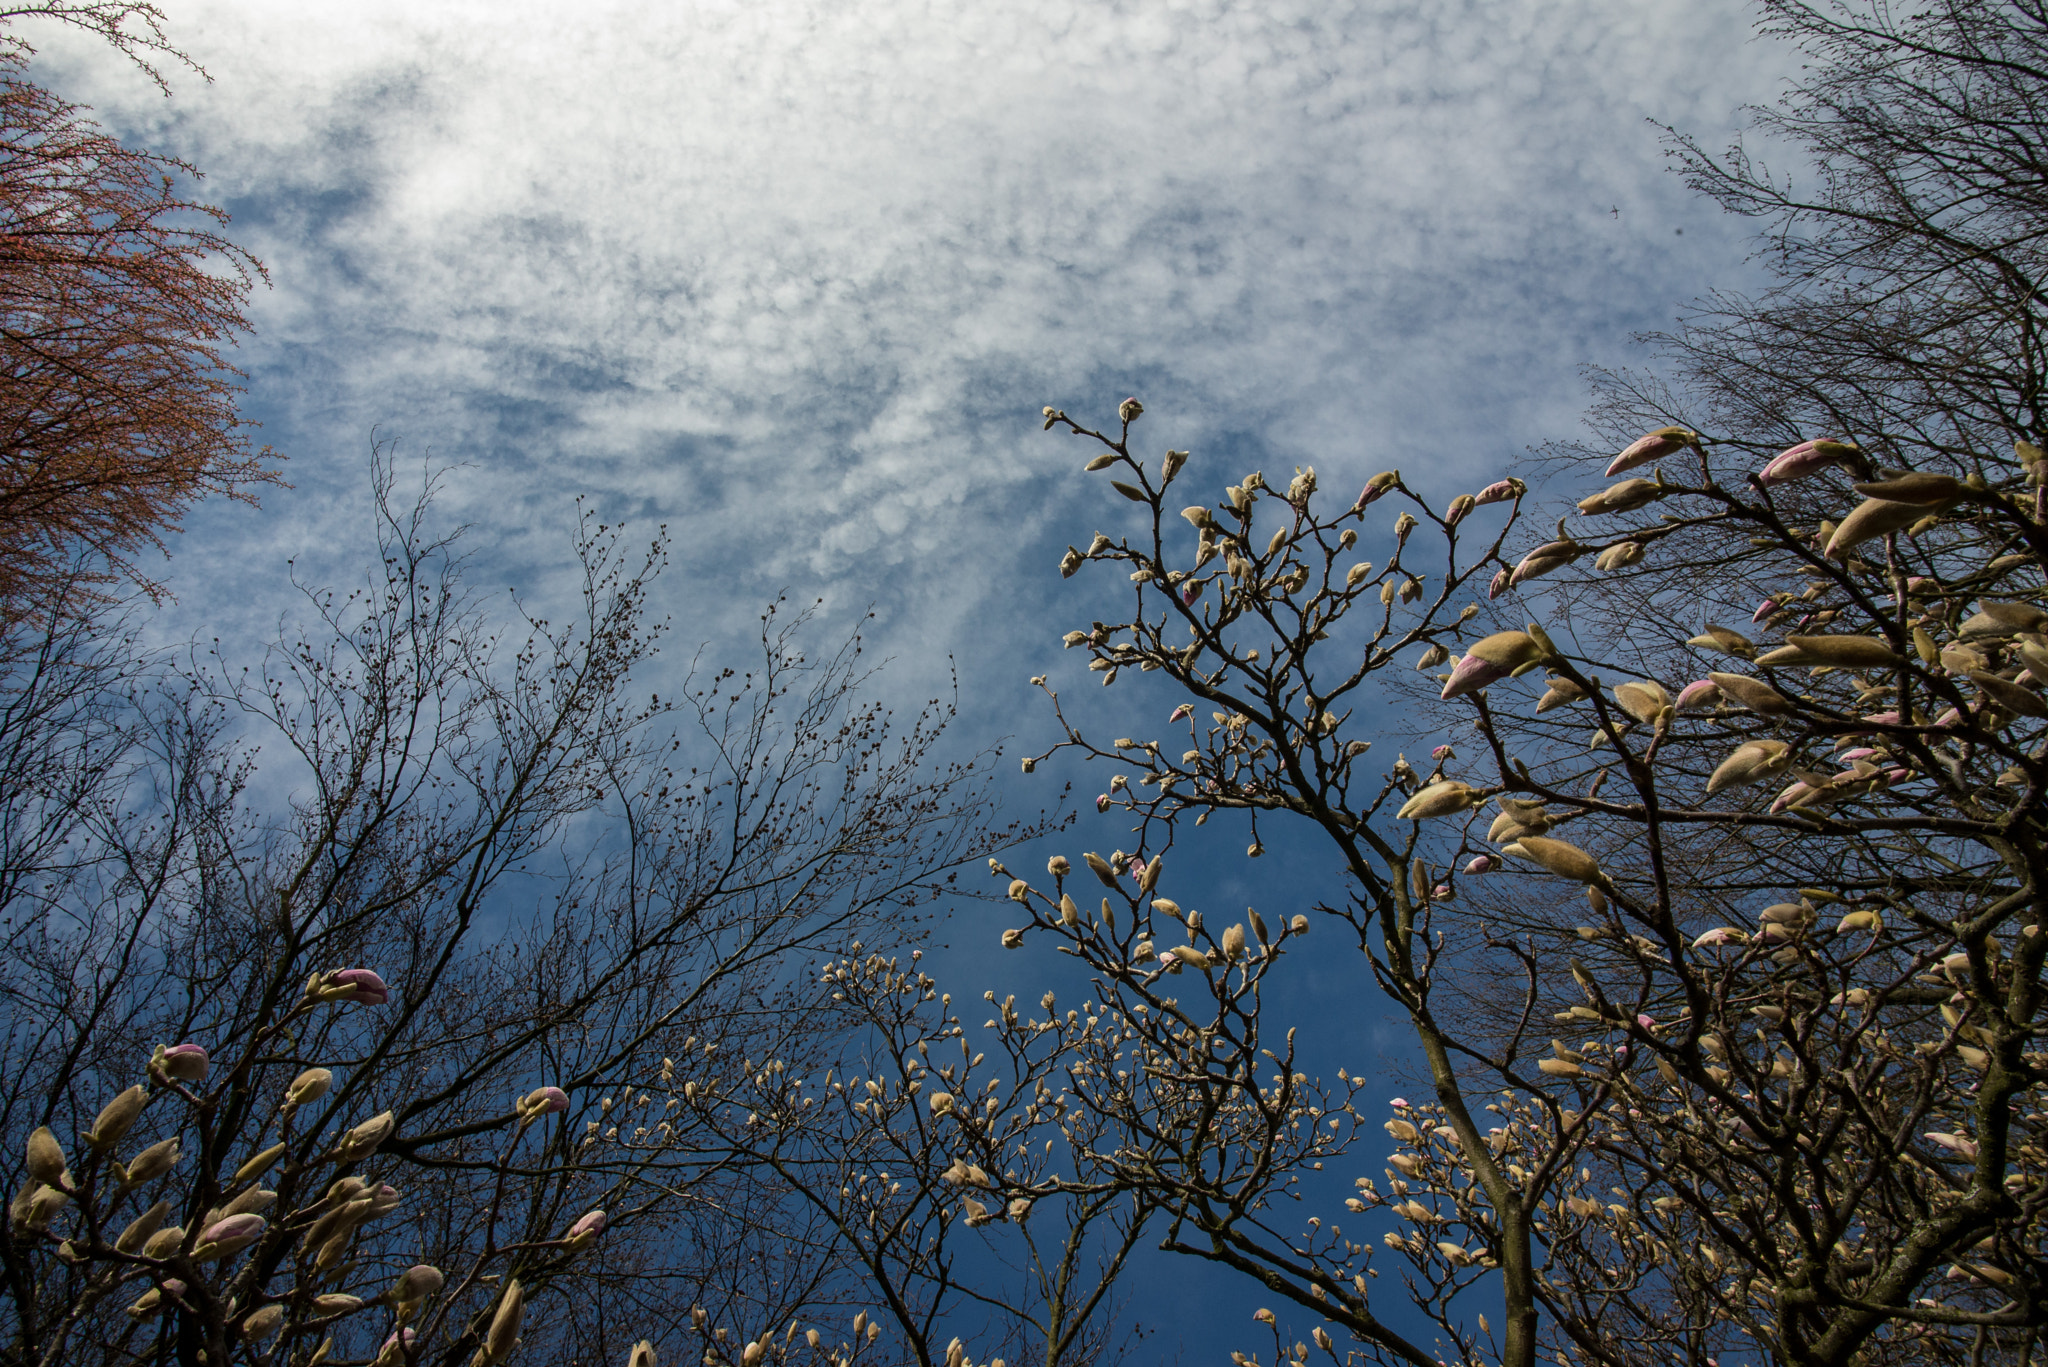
(794, 277)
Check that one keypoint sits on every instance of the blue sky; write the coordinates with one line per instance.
(795, 278)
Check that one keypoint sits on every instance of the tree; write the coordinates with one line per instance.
(411, 981)
(117, 401)
(1790, 1101)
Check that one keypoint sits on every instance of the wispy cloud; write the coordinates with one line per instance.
(794, 277)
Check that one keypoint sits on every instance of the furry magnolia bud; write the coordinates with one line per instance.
(116, 1117)
(229, 1236)
(1654, 446)
(186, 1062)
(363, 1140)
(46, 1159)
(1438, 799)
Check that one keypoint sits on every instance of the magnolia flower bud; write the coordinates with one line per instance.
(363, 1140)
(1644, 700)
(259, 1164)
(1558, 857)
(1171, 465)
(1871, 519)
(152, 1163)
(1461, 505)
(941, 1103)
(1624, 497)
(1058, 866)
(1013, 939)
(1753, 694)
(1491, 659)
(1619, 556)
(1853, 652)
(1545, 558)
(1129, 409)
(1807, 458)
(359, 985)
(1096, 863)
(250, 1199)
(1500, 491)
(36, 1204)
(229, 1236)
(262, 1323)
(1438, 799)
(143, 1228)
(1070, 912)
(1485, 863)
(186, 1062)
(116, 1117)
(395, 1349)
(1070, 563)
(1299, 925)
(543, 1101)
(158, 1299)
(1698, 696)
(504, 1332)
(643, 1351)
(164, 1242)
(585, 1231)
(1654, 446)
(46, 1159)
(309, 1086)
(1148, 877)
(1020, 891)
(1377, 486)
(1233, 943)
(415, 1284)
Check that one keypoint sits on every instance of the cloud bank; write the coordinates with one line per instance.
(795, 277)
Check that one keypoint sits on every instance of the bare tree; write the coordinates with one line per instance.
(483, 899)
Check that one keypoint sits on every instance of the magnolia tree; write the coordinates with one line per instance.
(1716, 919)
(355, 1055)
(1787, 1098)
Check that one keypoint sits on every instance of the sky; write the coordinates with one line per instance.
(795, 279)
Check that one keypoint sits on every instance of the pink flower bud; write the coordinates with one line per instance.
(1129, 410)
(1102, 802)
(544, 1101)
(1471, 674)
(585, 1230)
(1461, 505)
(1647, 1022)
(1399, 1103)
(1807, 458)
(1654, 446)
(1499, 584)
(1697, 696)
(1500, 491)
(231, 1235)
(367, 987)
(1442, 753)
(1377, 486)
(1485, 863)
(1764, 609)
(186, 1062)
(1186, 709)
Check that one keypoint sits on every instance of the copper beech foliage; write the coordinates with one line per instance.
(119, 301)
